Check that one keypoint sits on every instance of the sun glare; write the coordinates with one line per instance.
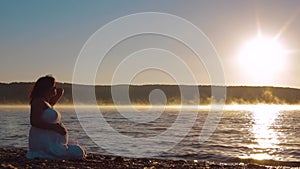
(262, 58)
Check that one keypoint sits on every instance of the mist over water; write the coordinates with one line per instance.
(260, 132)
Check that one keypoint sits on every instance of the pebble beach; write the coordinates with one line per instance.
(12, 158)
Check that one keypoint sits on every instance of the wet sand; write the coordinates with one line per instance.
(15, 158)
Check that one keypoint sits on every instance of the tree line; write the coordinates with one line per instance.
(18, 93)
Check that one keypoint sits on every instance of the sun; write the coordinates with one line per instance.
(262, 58)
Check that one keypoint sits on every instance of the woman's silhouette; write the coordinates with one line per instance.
(48, 137)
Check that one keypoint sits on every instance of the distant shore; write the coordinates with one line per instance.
(15, 158)
(17, 93)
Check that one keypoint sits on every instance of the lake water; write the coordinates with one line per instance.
(261, 132)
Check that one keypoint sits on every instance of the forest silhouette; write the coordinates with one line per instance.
(17, 93)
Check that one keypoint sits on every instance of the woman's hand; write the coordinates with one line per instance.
(59, 91)
(55, 98)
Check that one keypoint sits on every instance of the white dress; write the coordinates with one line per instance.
(48, 144)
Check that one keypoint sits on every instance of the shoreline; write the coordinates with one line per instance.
(15, 158)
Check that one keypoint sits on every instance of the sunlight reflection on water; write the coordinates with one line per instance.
(265, 140)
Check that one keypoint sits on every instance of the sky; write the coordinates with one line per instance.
(40, 37)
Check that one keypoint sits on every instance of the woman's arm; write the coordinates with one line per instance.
(55, 99)
(57, 127)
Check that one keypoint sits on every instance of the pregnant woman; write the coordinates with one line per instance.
(48, 137)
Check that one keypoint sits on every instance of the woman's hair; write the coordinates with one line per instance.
(41, 86)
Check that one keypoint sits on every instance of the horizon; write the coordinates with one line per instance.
(16, 93)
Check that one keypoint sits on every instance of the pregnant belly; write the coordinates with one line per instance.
(41, 138)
